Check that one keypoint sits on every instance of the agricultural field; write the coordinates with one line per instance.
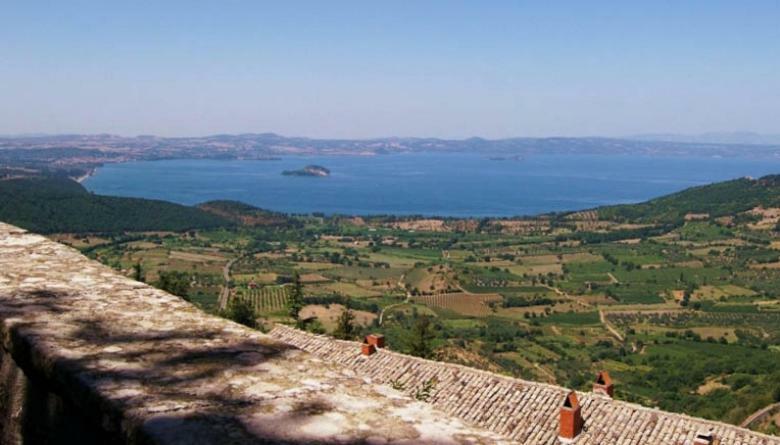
(468, 304)
(266, 299)
(684, 314)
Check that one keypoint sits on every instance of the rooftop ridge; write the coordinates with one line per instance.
(91, 356)
(681, 426)
(352, 343)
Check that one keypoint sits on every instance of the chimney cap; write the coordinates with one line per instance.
(571, 401)
(603, 378)
(603, 384)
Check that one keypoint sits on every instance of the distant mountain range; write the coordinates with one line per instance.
(75, 155)
(738, 137)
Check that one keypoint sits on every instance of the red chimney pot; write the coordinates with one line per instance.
(367, 349)
(603, 384)
(571, 417)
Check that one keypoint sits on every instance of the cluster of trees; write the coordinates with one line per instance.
(421, 337)
(517, 301)
(345, 326)
(672, 378)
(354, 304)
(175, 282)
(241, 311)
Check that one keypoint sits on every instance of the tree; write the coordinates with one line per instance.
(174, 282)
(345, 327)
(315, 326)
(138, 272)
(421, 336)
(295, 302)
(240, 311)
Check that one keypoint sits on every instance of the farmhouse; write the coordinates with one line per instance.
(89, 356)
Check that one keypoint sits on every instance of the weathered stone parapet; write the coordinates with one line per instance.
(89, 356)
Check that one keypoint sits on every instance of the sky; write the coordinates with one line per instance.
(356, 69)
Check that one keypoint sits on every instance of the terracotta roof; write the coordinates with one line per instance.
(523, 411)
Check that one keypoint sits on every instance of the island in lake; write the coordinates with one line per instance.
(506, 158)
(309, 170)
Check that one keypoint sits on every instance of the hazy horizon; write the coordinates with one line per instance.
(355, 70)
(737, 137)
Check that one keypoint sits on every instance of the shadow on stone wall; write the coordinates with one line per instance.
(56, 399)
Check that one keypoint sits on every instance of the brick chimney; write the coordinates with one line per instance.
(703, 438)
(367, 349)
(378, 340)
(603, 384)
(571, 418)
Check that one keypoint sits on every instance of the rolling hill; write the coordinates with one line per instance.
(717, 199)
(54, 204)
(47, 205)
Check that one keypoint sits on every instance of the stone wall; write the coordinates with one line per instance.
(89, 356)
(30, 412)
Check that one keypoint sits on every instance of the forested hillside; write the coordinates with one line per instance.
(49, 205)
(718, 199)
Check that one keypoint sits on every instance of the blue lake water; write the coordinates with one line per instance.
(423, 183)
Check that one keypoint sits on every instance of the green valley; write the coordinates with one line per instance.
(679, 297)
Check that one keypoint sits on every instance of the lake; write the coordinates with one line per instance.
(423, 183)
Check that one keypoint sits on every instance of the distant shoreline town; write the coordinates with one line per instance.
(77, 156)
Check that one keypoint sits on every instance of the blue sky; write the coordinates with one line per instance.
(402, 68)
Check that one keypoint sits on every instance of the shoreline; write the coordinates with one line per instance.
(84, 177)
(506, 201)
